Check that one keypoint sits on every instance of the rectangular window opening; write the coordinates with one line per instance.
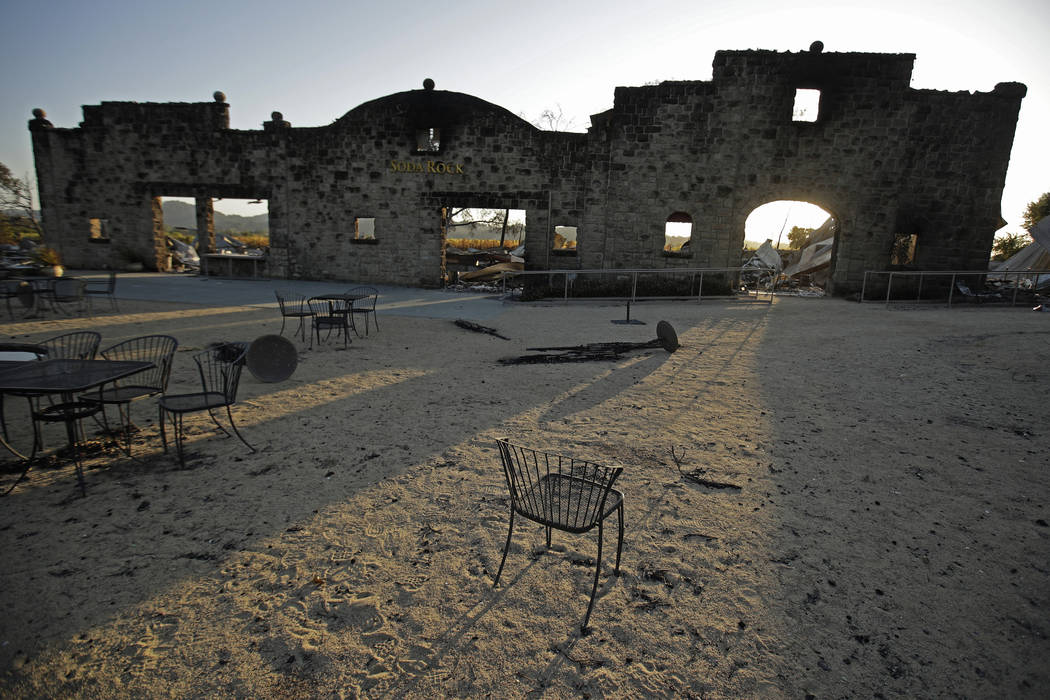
(428, 140)
(807, 105)
(564, 238)
(99, 229)
(904, 249)
(364, 229)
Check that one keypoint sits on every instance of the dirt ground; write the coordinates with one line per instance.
(884, 533)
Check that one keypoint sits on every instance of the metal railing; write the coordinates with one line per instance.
(958, 285)
(628, 280)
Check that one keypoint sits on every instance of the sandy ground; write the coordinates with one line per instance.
(888, 537)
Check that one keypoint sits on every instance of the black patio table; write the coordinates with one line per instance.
(348, 310)
(66, 378)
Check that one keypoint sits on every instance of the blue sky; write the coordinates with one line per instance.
(314, 60)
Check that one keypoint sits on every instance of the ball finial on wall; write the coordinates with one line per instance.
(428, 84)
(276, 116)
(39, 113)
(219, 96)
(816, 47)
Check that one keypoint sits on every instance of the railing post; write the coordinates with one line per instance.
(889, 286)
(566, 288)
(951, 291)
(700, 291)
(918, 296)
(634, 286)
(864, 285)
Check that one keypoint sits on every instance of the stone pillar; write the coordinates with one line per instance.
(205, 226)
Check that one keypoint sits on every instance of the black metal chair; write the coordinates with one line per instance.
(220, 373)
(293, 306)
(67, 291)
(158, 349)
(78, 345)
(561, 493)
(330, 315)
(21, 352)
(364, 307)
(107, 289)
(16, 289)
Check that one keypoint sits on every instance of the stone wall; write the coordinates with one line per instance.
(882, 158)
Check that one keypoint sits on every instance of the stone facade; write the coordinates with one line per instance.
(884, 159)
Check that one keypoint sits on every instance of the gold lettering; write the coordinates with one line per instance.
(436, 167)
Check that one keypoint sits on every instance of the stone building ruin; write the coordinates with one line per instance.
(894, 165)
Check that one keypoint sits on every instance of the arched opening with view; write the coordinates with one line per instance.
(796, 237)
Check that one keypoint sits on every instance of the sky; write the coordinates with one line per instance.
(314, 60)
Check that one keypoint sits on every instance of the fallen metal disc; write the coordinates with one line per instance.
(271, 358)
(668, 338)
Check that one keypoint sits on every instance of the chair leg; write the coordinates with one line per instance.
(124, 413)
(238, 432)
(281, 332)
(176, 420)
(619, 541)
(506, 548)
(597, 570)
(162, 417)
(218, 424)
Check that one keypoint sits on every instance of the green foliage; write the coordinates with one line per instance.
(1005, 247)
(17, 217)
(1036, 211)
(48, 257)
(253, 240)
(182, 236)
(797, 237)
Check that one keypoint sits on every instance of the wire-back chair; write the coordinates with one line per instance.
(108, 289)
(293, 306)
(561, 493)
(158, 349)
(365, 307)
(330, 315)
(67, 291)
(78, 345)
(220, 373)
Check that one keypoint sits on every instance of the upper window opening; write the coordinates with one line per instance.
(678, 231)
(364, 229)
(807, 105)
(428, 140)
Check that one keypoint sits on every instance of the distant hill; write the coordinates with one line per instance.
(183, 214)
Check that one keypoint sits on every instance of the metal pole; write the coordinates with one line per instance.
(700, 291)
(864, 285)
(889, 286)
(918, 296)
(634, 286)
(951, 291)
(566, 288)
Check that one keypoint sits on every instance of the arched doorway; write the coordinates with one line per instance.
(801, 233)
